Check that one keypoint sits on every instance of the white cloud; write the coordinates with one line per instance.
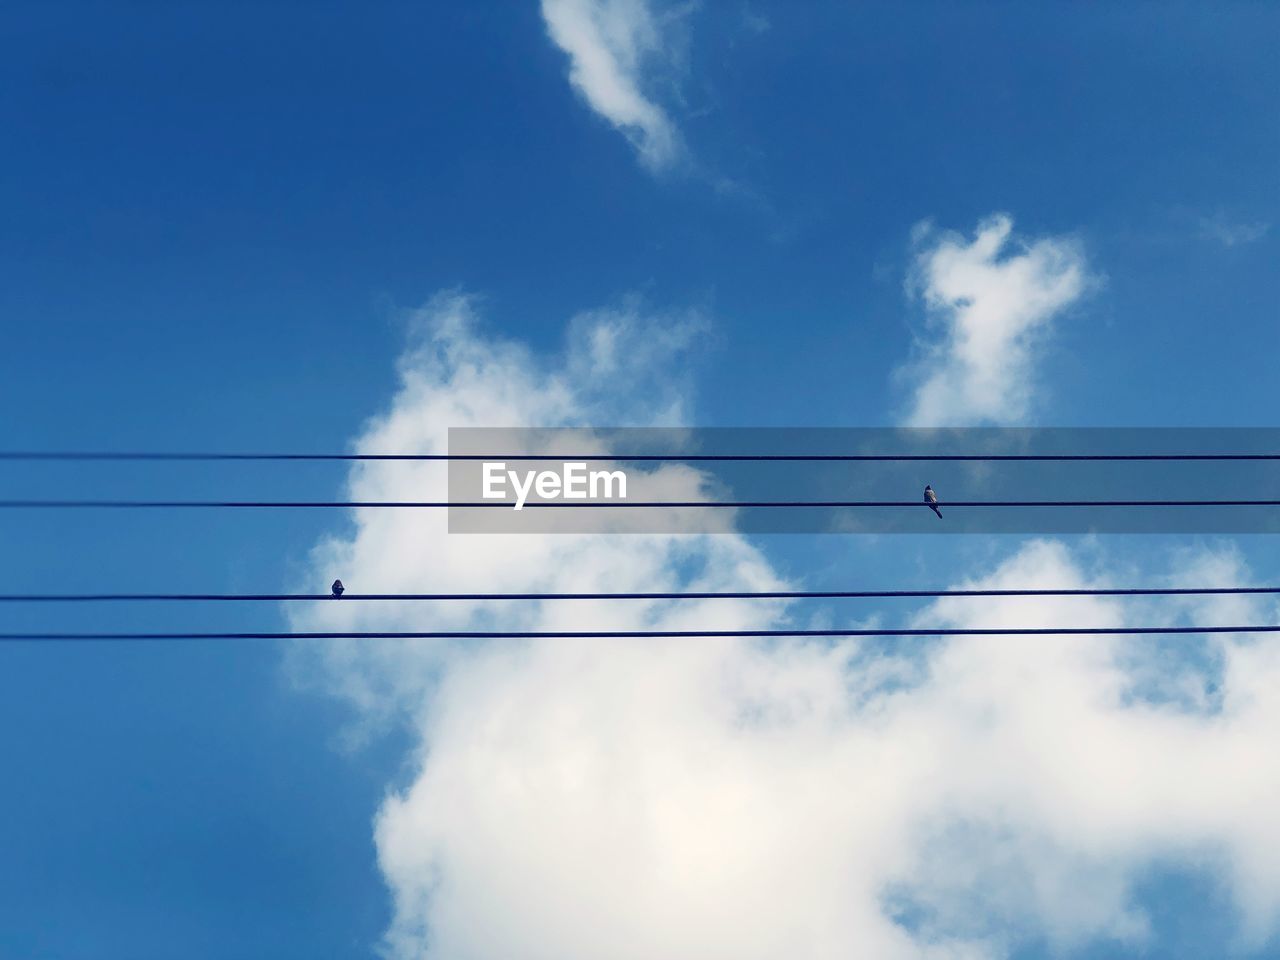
(610, 44)
(989, 308)
(619, 367)
(723, 799)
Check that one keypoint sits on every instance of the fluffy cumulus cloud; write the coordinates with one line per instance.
(713, 798)
(611, 45)
(990, 301)
(618, 367)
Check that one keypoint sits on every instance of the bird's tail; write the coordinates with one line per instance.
(936, 510)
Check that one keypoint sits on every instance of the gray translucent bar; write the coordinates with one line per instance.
(1044, 480)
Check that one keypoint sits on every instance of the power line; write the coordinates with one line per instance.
(561, 504)
(84, 455)
(674, 595)
(638, 634)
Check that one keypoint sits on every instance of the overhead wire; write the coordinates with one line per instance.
(601, 504)
(636, 634)
(88, 455)
(658, 595)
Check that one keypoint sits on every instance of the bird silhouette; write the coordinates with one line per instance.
(337, 588)
(931, 499)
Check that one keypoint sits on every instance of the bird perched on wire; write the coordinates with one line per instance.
(931, 499)
(338, 589)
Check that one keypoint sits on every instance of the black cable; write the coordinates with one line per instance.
(649, 504)
(78, 455)
(679, 595)
(638, 634)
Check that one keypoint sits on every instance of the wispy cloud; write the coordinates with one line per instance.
(611, 45)
(990, 301)
(1233, 233)
(756, 22)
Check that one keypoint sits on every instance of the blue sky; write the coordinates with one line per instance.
(220, 222)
